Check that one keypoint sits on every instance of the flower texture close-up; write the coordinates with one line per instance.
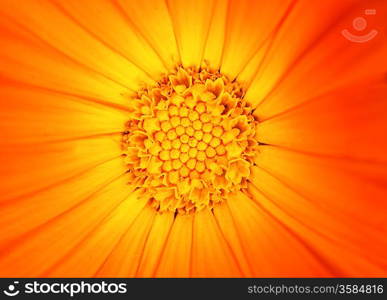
(193, 138)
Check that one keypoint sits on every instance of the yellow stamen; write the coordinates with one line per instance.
(180, 130)
(196, 142)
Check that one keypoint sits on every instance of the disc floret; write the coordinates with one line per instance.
(190, 140)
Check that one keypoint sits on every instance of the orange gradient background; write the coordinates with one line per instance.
(316, 204)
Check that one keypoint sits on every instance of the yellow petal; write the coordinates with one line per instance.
(151, 125)
(237, 170)
(234, 150)
(154, 166)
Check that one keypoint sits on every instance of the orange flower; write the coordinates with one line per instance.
(192, 138)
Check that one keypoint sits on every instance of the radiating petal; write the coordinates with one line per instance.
(353, 192)
(152, 20)
(214, 44)
(47, 137)
(228, 228)
(176, 258)
(155, 243)
(248, 25)
(347, 123)
(306, 61)
(51, 30)
(59, 230)
(98, 243)
(24, 54)
(272, 250)
(124, 259)
(191, 21)
(107, 23)
(211, 255)
(328, 231)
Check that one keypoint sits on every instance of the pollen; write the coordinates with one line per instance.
(192, 142)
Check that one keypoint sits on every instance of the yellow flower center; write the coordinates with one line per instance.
(190, 140)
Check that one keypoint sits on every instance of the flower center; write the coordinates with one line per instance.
(190, 140)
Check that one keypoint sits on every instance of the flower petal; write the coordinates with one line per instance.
(176, 258)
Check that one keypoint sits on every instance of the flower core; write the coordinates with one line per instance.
(190, 140)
